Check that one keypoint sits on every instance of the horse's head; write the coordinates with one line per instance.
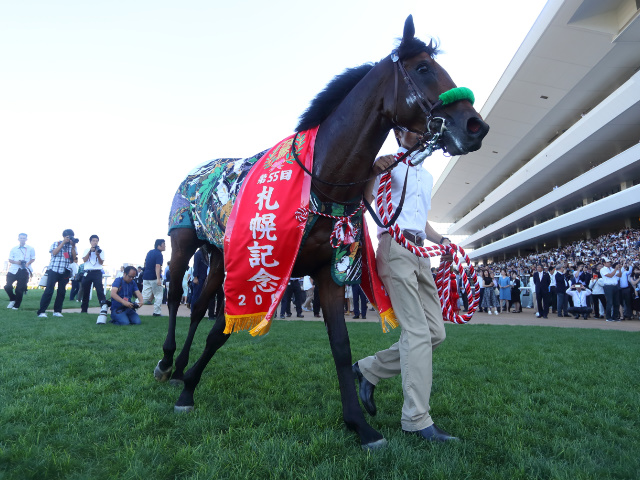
(416, 102)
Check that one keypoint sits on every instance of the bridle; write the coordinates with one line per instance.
(427, 143)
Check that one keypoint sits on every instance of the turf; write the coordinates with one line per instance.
(79, 401)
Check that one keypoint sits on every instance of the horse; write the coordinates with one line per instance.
(355, 113)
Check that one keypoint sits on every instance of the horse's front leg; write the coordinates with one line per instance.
(332, 301)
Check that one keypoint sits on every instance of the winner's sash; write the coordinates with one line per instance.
(372, 285)
(263, 235)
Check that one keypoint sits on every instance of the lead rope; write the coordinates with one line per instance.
(445, 277)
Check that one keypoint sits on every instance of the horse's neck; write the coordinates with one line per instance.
(349, 139)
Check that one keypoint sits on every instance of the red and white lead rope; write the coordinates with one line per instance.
(445, 277)
(344, 232)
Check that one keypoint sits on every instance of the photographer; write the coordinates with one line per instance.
(63, 253)
(152, 277)
(93, 259)
(579, 295)
(123, 311)
(20, 258)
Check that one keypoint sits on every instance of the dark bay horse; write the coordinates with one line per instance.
(355, 113)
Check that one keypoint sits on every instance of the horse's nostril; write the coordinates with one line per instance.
(474, 125)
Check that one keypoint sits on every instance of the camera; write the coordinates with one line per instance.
(73, 240)
(98, 249)
(123, 308)
(23, 263)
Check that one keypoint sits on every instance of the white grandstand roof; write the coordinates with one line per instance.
(565, 124)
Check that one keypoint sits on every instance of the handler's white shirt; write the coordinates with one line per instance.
(417, 200)
(19, 254)
(93, 263)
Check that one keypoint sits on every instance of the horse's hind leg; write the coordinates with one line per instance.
(198, 310)
(331, 299)
(184, 243)
(215, 340)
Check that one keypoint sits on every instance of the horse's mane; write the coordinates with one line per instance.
(337, 89)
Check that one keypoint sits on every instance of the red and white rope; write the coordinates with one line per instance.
(344, 232)
(444, 276)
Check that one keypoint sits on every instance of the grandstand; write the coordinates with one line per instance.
(562, 159)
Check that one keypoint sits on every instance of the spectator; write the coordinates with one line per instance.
(122, 291)
(553, 297)
(515, 293)
(307, 286)
(611, 278)
(200, 271)
(561, 291)
(139, 279)
(504, 284)
(597, 292)
(359, 302)
(625, 291)
(93, 259)
(634, 281)
(293, 291)
(542, 280)
(76, 282)
(579, 295)
(489, 299)
(62, 254)
(152, 277)
(185, 284)
(20, 259)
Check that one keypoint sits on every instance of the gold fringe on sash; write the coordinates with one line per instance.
(255, 323)
(388, 319)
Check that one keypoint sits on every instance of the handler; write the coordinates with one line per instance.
(412, 290)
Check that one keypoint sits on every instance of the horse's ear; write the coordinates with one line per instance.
(409, 30)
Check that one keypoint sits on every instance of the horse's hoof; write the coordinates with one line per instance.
(176, 382)
(162, 375)
(186, 409)
(377, 445)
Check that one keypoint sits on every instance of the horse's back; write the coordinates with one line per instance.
(204, 199)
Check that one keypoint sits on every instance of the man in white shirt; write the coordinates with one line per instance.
(93, 260)
(408, 281)
(20, 260)
(579, 296)
(611, 278)
(626, 296)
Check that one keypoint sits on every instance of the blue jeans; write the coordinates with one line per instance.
(128, 317)
(562, 304)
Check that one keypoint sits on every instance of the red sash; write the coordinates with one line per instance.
(263, 235)
(372, 285)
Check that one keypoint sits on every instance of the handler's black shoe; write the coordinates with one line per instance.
(365, 391)
(433, 434)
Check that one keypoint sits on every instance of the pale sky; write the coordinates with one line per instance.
(106, 106)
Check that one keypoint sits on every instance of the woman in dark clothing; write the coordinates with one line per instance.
(515, 293)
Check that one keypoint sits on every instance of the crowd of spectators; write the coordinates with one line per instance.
(606, 267)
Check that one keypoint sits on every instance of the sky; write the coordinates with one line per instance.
(106, 106)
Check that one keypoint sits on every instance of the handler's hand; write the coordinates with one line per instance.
(195, 280)
(446, 258)
(159, 282)
(382, 163)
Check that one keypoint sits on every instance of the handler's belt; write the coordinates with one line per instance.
(417, 241)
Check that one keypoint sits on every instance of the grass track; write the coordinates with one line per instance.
(79, 401)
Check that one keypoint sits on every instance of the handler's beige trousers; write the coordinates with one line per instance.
(150, 288)
(410, 285)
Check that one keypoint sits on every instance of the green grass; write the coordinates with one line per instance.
(79, 401)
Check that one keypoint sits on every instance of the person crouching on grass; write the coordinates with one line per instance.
(123, 311)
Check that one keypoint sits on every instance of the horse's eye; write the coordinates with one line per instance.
(422, 68)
